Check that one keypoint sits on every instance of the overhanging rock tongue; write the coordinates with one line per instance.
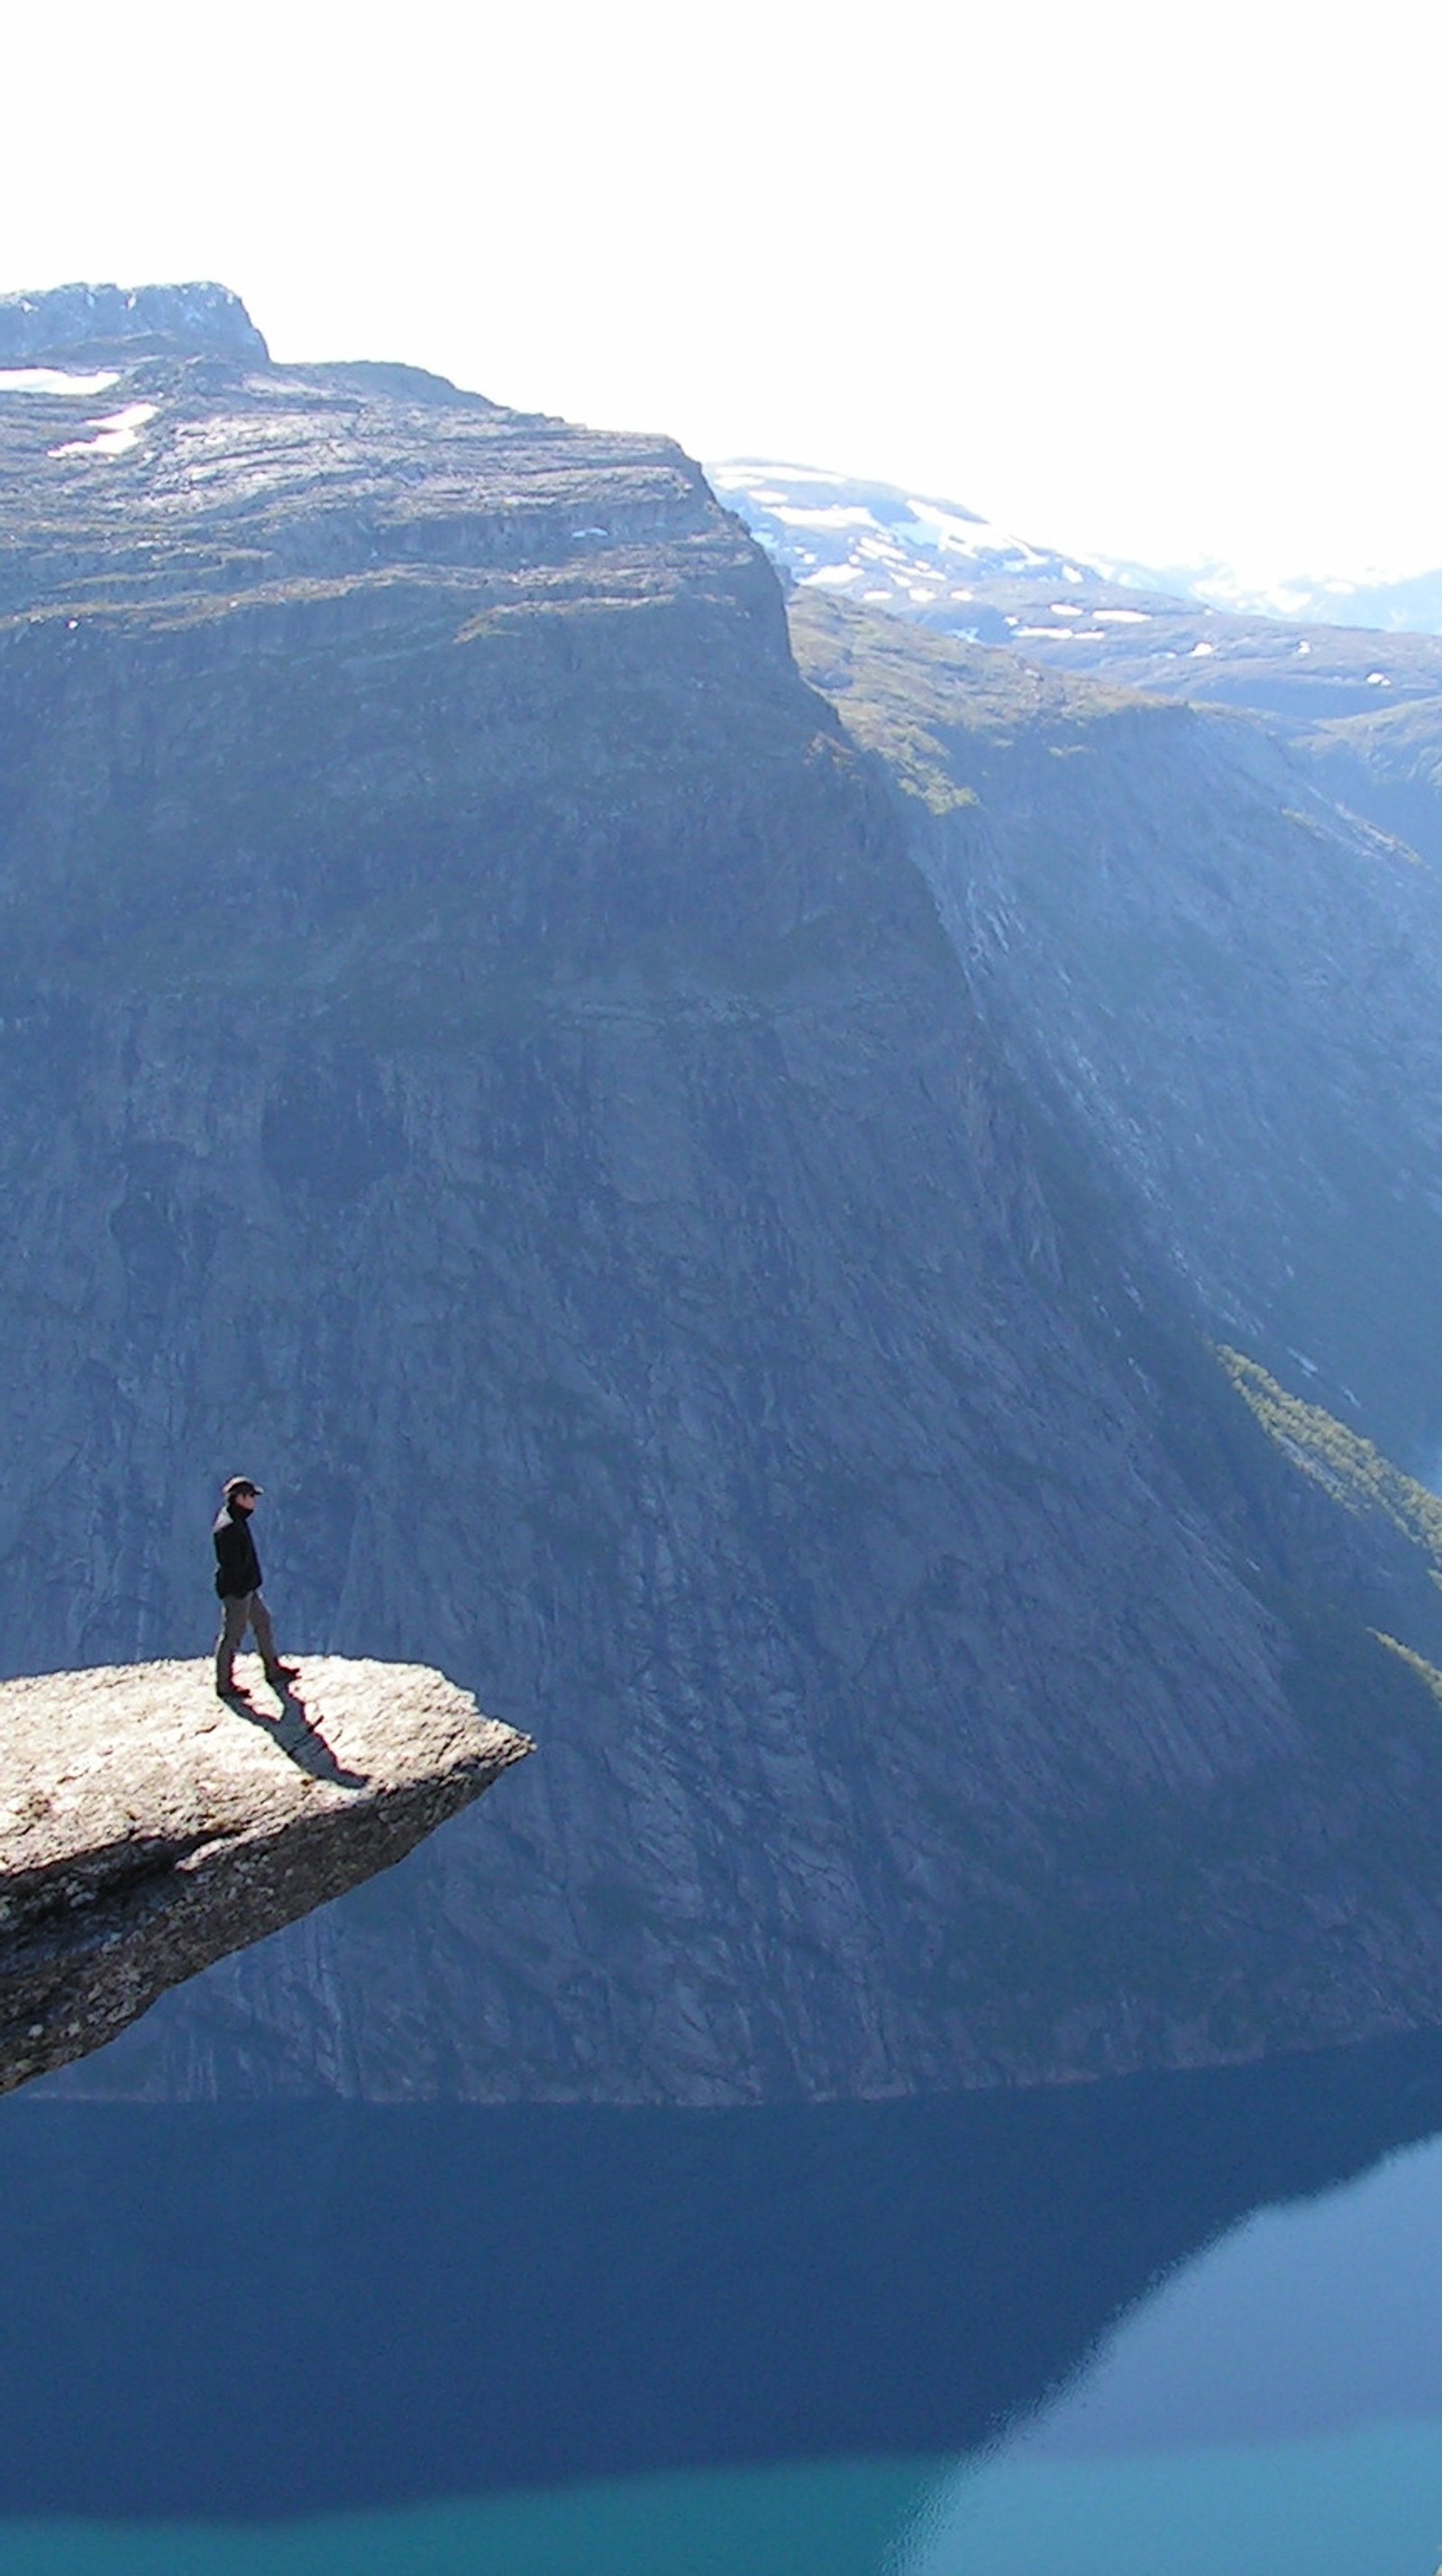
(145, 1830)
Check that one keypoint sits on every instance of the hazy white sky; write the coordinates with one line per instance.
(1157, 279)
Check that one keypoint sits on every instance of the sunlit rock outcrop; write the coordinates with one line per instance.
(146, 1828)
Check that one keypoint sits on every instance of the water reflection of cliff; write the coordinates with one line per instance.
(243, 2311)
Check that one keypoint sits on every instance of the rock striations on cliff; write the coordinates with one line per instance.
(146, 1828)
(480, 1041)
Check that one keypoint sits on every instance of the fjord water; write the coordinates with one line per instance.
(1182, 2324)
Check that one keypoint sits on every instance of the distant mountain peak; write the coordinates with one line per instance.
(878, 544)
(933, 560)
(187, 321)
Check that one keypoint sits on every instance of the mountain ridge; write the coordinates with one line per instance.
(799, 512)
(98, 322)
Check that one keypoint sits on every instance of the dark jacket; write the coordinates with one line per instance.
(237, 1567)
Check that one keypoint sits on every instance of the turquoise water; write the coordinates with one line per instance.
(837, 2520)
(1366, 2504)
(709, 2346)
(1369, 2504)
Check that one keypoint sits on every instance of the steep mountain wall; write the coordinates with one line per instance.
(479, 1054)
(1235, 985)
(1387, 765)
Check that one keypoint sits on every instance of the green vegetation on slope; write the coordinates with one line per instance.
(1354, 1474)
(929, 704)
(1352, 1471)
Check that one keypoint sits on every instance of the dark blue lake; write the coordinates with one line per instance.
(1188, 2326)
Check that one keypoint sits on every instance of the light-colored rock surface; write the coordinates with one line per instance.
(147, 1828)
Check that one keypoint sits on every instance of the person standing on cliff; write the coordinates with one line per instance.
(238, 1581)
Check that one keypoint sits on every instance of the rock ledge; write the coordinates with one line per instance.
(147, 1828)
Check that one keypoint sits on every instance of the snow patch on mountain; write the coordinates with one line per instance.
(828, 530)
(813, 522)
(56, 380)
(118, 432)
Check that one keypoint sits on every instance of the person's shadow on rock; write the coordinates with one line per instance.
(301, 1741)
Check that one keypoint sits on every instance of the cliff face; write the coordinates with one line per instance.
(146, 1829)
(480, 1055)
(1233, 984)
